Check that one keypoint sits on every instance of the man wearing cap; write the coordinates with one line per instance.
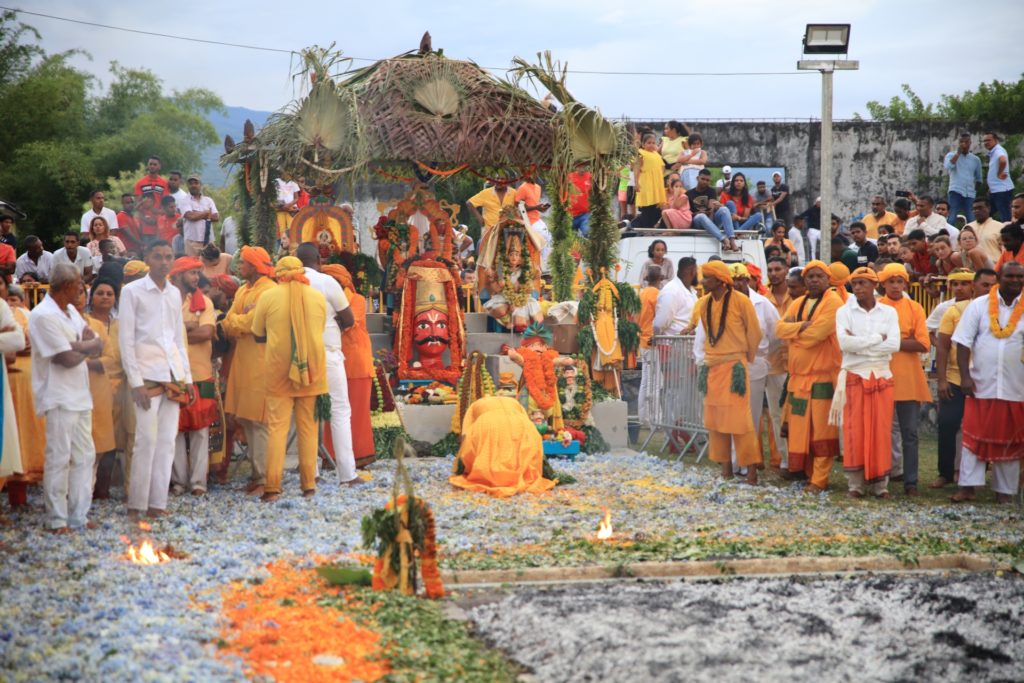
(192, 445)
(154, 353)
(911, 385)
(247, 387)
(809, 327)
(726, 178)
(767, 317)
(990, 332)
(198, 219)
(290, 320)
(868, 336)
(732, 335)
(951, 398)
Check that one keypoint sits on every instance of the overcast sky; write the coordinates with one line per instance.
(938, 47)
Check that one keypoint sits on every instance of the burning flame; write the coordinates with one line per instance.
(145, 553)
(604, 529)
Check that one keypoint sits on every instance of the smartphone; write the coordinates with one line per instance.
(902, 193)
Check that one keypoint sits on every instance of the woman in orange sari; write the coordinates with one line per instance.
(31, 427)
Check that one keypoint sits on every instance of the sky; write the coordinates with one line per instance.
(938, 47)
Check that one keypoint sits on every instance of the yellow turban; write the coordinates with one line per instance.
(258, 258)
(134, 267)
(838, 273)
(739, 270)
(820, 265)
(290, 269)
(961, 275)
(717, 270)
(864, 273)
(892, 270)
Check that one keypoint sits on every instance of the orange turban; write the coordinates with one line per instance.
(258, 258)
(135, 267)
(225, 283)
(341, 274)
(820, 265)
(755, 279)
(838, 274)
(864, 273)
(185, 264)
(717, 270)
(892, 270)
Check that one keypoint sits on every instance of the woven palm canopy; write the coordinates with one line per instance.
(417, 107)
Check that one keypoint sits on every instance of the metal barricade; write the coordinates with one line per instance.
(674, 404)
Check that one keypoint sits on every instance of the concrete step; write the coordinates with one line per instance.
(378, 322)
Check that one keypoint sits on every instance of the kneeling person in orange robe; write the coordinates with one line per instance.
(809, 327)
(868, 334)
(290, 319)
(502, 452)
(732, 335)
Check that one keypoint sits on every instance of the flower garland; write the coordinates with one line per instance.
(539, 375)
(998, 331)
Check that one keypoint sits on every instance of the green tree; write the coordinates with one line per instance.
(62, 138)
(997, 102)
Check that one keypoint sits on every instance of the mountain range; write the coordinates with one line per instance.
(231, 124)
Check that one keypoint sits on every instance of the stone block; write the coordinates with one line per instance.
(475, 322)
(429, 423)
(610, 419)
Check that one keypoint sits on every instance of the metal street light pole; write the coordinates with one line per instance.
(826, 67)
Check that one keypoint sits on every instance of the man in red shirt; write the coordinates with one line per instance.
(8, 259)
(128, 226)
(921, 261)
(152, 181)
(168, 219)
(579, 199)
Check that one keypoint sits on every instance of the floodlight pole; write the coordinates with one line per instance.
(826, 67)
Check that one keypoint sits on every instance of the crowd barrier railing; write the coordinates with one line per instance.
(34, 293)
(672, 400)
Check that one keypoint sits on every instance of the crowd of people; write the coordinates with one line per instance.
(140, 359)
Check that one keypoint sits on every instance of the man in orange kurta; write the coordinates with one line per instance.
(809, 328)
(502, 453)
(732, 335)
(911, 385)
(247, 386)
(290, 320)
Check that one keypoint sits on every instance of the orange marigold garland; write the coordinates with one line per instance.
(539, 375)
(998, 331)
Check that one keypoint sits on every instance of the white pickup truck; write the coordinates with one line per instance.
(696, 243)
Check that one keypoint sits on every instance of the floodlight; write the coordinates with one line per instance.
(828, 39)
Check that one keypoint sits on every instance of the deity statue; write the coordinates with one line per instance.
(515, 279)
(429, 323)
(538, 386)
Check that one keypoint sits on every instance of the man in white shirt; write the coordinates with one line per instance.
(154, 354)
(73, 255)
(339, 317)
(929, 221)
(61, 343)
(726, 178)
(198, 218)
(287, 203)
(676, 300)
(98, 209)
(757, 371)
(994, 387)
(868, 335)
(35, 261)
(175, 190)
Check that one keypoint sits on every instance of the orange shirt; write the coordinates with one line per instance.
(1006, 257)
(741, 334)
(899, 226)
(648, 301)
(355, 341)
(814, 354)
(529, 193)
(907, 371)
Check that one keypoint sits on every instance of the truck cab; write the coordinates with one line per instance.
(696, 243)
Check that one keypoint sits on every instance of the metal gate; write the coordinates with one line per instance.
(674, 404)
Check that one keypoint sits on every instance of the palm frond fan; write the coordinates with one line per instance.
(323, 121)
(591, 135)
(438, 92)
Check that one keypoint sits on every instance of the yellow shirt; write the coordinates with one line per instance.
(273, 320)
(671, 149)
(487, 201)
(648, 301)
(200, 356)
(247, 390)
(950, 319)
(871, 223)
(651, 181)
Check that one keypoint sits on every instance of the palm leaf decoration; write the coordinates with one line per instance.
(438, 96)
(322, 120)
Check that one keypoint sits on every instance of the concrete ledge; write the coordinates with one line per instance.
(719, 568)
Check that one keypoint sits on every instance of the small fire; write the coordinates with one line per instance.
(145, 553)
(604, 529)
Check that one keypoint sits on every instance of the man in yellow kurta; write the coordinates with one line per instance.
(732, 335)
(290, 320)
(247, 385)
(809, 328)
(911, 385)
(502, 453)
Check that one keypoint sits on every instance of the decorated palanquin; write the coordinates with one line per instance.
(430, 323)
(400, 233)
(324, 224)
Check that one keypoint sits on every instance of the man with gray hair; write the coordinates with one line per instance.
(61, 343)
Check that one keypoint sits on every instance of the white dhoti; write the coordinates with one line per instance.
(1005, 473)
